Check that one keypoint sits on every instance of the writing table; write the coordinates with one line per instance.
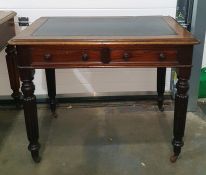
(7, 31)
(103, 42)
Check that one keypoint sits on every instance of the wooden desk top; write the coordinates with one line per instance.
(104, 30)
(6, 15)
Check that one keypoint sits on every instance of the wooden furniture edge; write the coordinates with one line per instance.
(8, 17)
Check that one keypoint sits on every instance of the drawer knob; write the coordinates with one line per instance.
(85, 57)
(47, 56)
(162, 56)
(105, 55)
(126, 56)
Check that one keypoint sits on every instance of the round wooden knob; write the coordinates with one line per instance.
(162, 56)
(47, 56)
(126, 56)
(85, 57)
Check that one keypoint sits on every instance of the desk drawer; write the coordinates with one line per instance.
(53, 55)
(101, 56)
(169, 55)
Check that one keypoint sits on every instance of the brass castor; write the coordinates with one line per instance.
(161, 108)
(173, 158)
(18, 100)
(35, 156)
(54, 114)
(160, 104)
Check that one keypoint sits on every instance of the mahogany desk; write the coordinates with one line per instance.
(7, 31)
(103, 42)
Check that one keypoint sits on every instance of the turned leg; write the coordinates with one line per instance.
(51, 87)
(13, 74)
(30, 112)
(181, 100)
(161, 73)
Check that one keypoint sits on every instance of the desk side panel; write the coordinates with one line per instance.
(23, 56)
(7, 32)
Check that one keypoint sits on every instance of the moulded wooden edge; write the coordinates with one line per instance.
(113, 65)
(10, 15)
(97, 42)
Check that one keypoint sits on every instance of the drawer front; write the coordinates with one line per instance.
(49, 55)
(102, 56)
(144, 56)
